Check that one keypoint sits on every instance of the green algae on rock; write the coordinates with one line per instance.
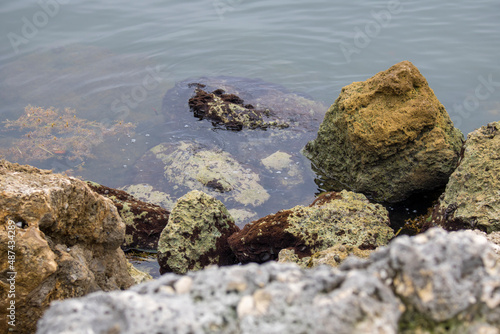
(144, 222)
(267, 105)
(386, 137)
(229, 110)
(198, 167)
(196, 235)
(332, 256)
(472, 196)
(333, 218)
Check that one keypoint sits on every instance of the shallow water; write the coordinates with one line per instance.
(115, 60)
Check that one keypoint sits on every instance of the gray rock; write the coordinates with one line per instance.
(435, 282)
(472, 196)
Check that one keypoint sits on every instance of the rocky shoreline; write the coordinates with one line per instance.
(381, 141)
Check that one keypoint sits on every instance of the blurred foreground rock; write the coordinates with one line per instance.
(433, 283)
(196, 235)
(343, 218)
(386, 137)
(472, 196)
(66, 242)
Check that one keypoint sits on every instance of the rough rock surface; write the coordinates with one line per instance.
(194, 166)
(275, 105)
(435, 282)
(66, 242)
(196, 235)
(333, 218)
(332, 256)
(230, 111)
(386, 137)
(472, 195)
(144, 221)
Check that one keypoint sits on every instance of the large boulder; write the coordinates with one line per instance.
(196, 235)
(386, 137)
(63, 239)
(332, 219)
(472, 196)
(432, 283)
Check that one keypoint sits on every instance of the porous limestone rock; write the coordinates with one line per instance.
(386, 137)
(143, 221)
(196, 235)
(64, 240)
(194, 166)
(472, 195)
(333, 218)
(436, 282)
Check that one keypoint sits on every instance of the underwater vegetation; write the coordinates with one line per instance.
(53, 133)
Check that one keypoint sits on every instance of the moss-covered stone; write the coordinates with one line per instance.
(472, 195)
(196, 235)
(386, 137)
(332, 256)
(143, 221)
(334, 218)
(198, 167)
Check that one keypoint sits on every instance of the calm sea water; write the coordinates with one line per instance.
(112, 60)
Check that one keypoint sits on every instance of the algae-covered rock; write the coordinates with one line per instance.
(146, 193)
(144, 222)
(332, 256)
(229, 110)
(387, 137)
(196, 235)
(333, 218)
(242, 103)
(193, 166)
(472, 195)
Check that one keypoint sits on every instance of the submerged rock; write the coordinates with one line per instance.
(65, 240)
(333, 218)
(472, 196)
(433, 283)
(193, 166)
(196, 235)
(386, 137)
(239, 103)
(230, 111)
(144, 221)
